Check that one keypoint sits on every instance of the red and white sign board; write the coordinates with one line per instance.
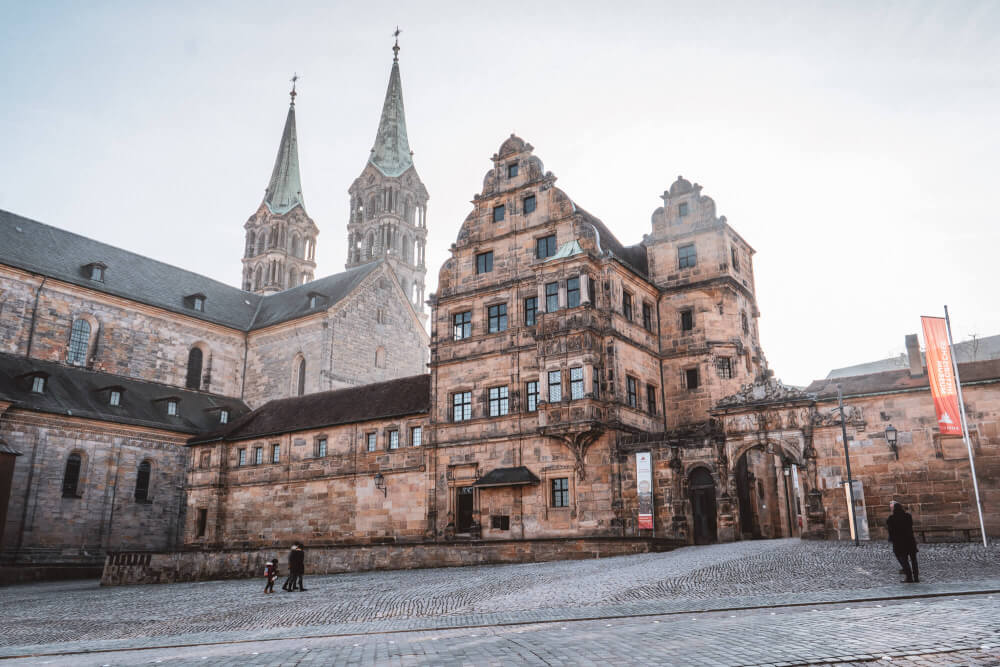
(941, 373)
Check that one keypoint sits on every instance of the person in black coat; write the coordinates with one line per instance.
(296, 568)
(904, 544)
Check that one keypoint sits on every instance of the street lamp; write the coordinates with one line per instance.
(380, 484)
(890, 437)
(786, 468)
(847, 458)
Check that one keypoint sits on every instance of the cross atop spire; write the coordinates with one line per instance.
(395, 48)
(295, 77)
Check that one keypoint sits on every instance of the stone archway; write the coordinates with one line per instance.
(766, 493)
(701, 488)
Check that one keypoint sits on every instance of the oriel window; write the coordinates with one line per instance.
(573, 292)
(555, 386)
(497, 317)
(551, 297)
(576, 383)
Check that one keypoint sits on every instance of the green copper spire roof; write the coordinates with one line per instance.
(284, 192)
(391, 153)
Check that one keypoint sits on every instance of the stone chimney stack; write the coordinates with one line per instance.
(913, 354)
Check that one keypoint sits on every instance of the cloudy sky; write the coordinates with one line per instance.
(854, 145)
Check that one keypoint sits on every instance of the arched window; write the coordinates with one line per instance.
(261, 238)
(79, 342)
(142, 482)
(194, 369)
(257, 278)
(380, 357)
(71, 478)
(301, 377)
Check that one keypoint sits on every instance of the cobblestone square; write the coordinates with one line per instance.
(749, 603)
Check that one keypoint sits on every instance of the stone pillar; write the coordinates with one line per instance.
(584, 288)
(541, 299)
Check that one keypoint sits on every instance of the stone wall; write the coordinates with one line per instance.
(149, 568)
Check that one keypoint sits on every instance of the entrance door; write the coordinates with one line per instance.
(703, 506)
(745, 496)
(463, 515)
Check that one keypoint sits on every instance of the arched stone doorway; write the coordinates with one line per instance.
(767, 492)
(701, 486)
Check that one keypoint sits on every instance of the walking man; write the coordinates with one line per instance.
(298, 561)
(904, 544)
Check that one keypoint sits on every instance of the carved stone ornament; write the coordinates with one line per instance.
(832, 417)
(764, 390)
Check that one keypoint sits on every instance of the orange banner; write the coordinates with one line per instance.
(941, 374)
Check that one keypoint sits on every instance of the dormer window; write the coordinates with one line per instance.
(316, 299)
(223, 416)
(512, 170)
(95, 271)
(38, 384)
(195, 302)
(172, 407)
(115, 398)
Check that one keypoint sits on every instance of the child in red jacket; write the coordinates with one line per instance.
(271, 572)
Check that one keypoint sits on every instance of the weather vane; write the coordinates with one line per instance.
(295, 77)
(395, 48)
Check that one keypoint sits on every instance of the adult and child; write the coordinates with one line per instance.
(904, 544)
(296, 568)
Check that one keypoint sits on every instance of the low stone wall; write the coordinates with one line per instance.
(126, 568)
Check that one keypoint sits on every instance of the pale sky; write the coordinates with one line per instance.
(853, 145)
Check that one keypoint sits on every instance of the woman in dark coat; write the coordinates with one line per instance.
(904, 544)
(296, 568)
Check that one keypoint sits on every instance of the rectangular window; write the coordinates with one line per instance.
(499, 404)
(394, 439)
(555, 386)
(651, 399)
(512, 170)
(686, 256)
(115, 398)
(500, 522)
(682, 209)
(202, 521)
(38, 384)
(241, 457)
(172, 407)
(275, 453)
(627, 306)
(691, 378)
(498, 212)
(551, 297)
(631, 391)
(647, 317)
(463, 325)
(484, 262)
(736, 259)
(258, 455)
(687, 320)
(572, 292)
(560, 492)
(321, 447)
(529, 204)
(545, 246)
(497, 317)
(416, 436)
(724, 367)
(223, 416)
(530, 310)
(206, 459)
(371, 442)
(461, 404)
(199, 304)
(576, 383)
(531, 391)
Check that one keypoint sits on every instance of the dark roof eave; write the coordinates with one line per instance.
(300, 429)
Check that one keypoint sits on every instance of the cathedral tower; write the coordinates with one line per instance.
(389, 202)
(280, 236)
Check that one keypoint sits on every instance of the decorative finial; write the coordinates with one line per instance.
(395, 48)
(295, 77)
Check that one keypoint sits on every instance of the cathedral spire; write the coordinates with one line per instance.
(284, 192)
(391, 153)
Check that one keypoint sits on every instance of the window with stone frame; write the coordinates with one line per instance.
(194, 365)
(500, 522)
(647, 317)
(687, 319)
(71, 476)
(687, 257)
(416, 436)
(724, 367)
(206, 460)
(392, 438)
(461, 403)
(463, 325)
(627, 305)
(258, 456)
(497, 317)
(142, 479)
(631, 391)
(691, 379)
(202, 521)
(529, 204)
(560, 492)
(736, 259)
(371, 442)
(573, 292)
(651, 399)
(682, 209)
(555, 386)
(551, 297)
(499, 403)
(484, 262)
(275, 453)
(498, 213)
(531, 392)
(79, 343)
(576, 383)
(512, 170)
(545, 246)
(241, 457)
(530, 311)
(321, 444)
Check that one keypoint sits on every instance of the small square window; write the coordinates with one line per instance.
(632, 390)
(545, 246)
(223, 416)
(499, 403)
(497, 318)
(682, 209)
(484, 262)
(529, 204)
(512, 170)
(416, 436)
(647, 317)
(463, 325)
(498, 213)
(394, 439)
(686, 256)
(531, 392)
(576, 383)
(241, 457)
(551, 297)
(38, 384)
(530, 310)
(172, 408)
(691, 378)
(371, 441)
(321, 447)
(651, 399)
(275, 453)
(687, 320)
(627, 306)
(555, 386)
(572, 292)
(115, 398)
(461, 406)
(560, 492)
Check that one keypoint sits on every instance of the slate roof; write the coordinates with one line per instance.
(900, 380)
(80, 392)
(381, 400)
(632, 256)
(516, 476)
(981, 349)
(57, 253)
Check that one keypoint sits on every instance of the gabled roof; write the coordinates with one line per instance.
(284, 191)
(632, 256)
(382, 400)
(79, 392)
(33, 246)
(901, 380)
(391, 152)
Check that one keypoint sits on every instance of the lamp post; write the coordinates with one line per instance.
(786, 468)
(380, 484)
(890, 437)
(847, 458)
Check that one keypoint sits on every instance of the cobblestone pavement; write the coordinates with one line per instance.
(638, 606)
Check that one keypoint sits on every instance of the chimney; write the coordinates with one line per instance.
(913, 355)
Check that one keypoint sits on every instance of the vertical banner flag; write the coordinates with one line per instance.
(941, 374)
(644, 482)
